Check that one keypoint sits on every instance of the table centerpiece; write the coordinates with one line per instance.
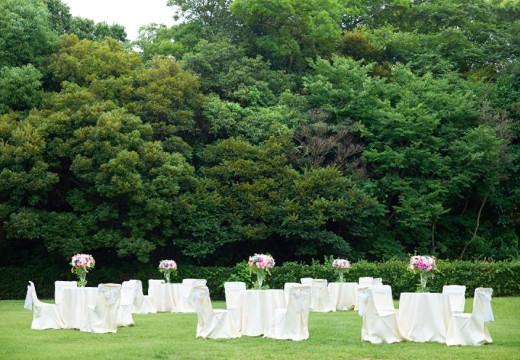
(81, 264)
(423, 264)
(340, 267)
(167, 268)
(260, 265)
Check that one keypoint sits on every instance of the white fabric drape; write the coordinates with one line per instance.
(457, 295)
(45, 316)
(212, 324)
(424, 317)
(58, 289)
(232, 291)
(344, 295)
(102, 317)
(320, 297)
(291, 323)
(472, 329)
(74, 305)
(257, 309)
(126, 305)
(379, 316)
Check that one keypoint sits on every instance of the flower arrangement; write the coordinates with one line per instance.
(424, 264)
(81, 264)
(260, 265)
(340, 266)
(167, 268)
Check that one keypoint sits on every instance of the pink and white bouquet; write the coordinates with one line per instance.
(260, 264)
(340, 266)
(168, 267)
(81, 264)
(424, 264)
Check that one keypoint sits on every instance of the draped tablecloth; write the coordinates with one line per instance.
(257, 308)
(344, 295)
(168, 297)
(74, 303)
(424, 316)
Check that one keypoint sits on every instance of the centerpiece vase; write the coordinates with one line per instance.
(167, 277)
(423, 281)
(260, 276)
(82, 282)
(340, 276)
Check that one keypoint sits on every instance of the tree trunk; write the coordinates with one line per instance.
(476, 227)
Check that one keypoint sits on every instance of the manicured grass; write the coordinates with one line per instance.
(172, 336)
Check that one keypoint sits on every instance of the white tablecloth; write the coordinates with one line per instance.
(257, 308)
(74, 304)
(344, 295)
(168, 297)
(424, 316)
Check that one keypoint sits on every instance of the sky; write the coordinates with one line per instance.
(132, 14)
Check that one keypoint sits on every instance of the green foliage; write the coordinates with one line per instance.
(19, 88)
(26, 37)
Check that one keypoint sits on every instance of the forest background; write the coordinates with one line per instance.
(359, 129)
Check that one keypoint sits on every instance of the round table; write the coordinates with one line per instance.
(74, 303)
(343, 294)
(257, 308)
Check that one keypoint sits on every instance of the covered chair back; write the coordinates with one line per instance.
(211, 324)
(45, 316)
(472, 329)
(232, 291)
(365, 281)
(379, 316)
(102, 317)
(58, 289)
(457, 295)
(126, 306)
(321, 300)
(292, 322)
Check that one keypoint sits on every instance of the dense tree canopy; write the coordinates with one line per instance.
(361, 129)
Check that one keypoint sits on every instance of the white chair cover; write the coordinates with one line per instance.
(292, 323)
(58, 289)
(102, 317)
(377, 281)
(457, 295)
(365, 281)
(143, 304)
(320, 297)
(212, 324)
(232, 291)
(45, 316)
(379, 316)
(472, 329)
(306, 281)
(287, 287)
(126, 305)
(186, 303)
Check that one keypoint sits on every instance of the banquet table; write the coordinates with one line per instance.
(343, 294)
(168, 297)
(74, 303)
(424, 317)
(257, 308)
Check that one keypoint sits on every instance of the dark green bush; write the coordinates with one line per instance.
(502, 276)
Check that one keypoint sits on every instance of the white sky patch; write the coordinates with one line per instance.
(132, 14)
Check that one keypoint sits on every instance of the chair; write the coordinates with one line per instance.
(287, 287)
(292, 322)
(320, 297)
(457, 295)
(306, 281)
(365, 281)
(143, 304)
(45, 316)
(186, 302)
(232, 291)
(379, 316)
(58, 289)
(126, 305)
(377, 281)
(472, 329)
(212, 324)
(102, 317)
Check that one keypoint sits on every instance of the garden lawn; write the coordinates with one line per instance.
(172, 336)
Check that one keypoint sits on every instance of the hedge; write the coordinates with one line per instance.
(502, 276)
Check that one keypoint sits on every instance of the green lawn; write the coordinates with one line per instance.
(172, 336)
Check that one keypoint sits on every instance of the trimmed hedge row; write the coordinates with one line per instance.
(502, 276)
